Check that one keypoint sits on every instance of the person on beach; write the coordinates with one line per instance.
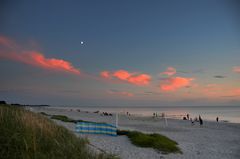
(187, 116)
(217, 119)
(154, 115)
(200, 120)
(163, 115)
(192, 121)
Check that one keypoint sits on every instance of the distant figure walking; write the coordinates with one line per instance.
(217, 119)
(200, 120)
(187, 116)
(153, 115)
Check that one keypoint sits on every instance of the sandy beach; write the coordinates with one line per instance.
(211, 141)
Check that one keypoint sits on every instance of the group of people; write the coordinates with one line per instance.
(106, 114)
(128, 114)
(197, 119)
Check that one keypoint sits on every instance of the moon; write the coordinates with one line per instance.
(81, 42)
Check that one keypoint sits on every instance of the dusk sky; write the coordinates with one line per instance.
(134, 53)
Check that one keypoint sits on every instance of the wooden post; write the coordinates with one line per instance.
(166, 123)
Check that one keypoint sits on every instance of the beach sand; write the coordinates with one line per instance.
(212, 140)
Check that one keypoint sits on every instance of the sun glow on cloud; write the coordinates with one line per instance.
(170, 71)
(7, 42)
(169, 83)
(123, 75)
(174, 83)
(236, 69)
(221, 90)
(35, 58)
(105, 74)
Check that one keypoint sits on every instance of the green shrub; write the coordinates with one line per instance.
(156, 141)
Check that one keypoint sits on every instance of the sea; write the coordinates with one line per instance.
(224, 113)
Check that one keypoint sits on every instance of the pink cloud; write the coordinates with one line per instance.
(142, 79)
(123, 75)
(105, 74)
(175, 83)
(220, 90)
(35, 58)
(236, 92)
(212, 90)
(169, 71)
(121, 93)
(236, 69)
(4, 41)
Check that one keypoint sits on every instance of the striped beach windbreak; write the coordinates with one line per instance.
(96, 128)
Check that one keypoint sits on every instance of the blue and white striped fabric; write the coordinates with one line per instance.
(96, 128)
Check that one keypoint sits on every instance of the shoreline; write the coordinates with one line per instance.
(168, 116)
(212, 140)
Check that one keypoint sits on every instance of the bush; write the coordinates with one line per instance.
(156, 141)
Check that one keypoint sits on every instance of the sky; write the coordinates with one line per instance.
(134, 53)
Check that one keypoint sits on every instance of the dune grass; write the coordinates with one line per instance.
(27, 135)
(67, 119)
(156, 141)
(63, 118)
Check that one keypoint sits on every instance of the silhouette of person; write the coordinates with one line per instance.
(200, 120)
(217, 119)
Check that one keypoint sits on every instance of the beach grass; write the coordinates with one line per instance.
(27, 135)
(156, 141)
(63, 118)
(67, 119)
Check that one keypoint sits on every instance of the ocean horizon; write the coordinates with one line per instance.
(224, 113)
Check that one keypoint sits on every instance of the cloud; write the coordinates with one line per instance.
(236, 69)
(230, 96)
(220, 90)
(4, 41)
(105, 74)
(35, 58)
(232, 93)
(219, 76)
(235, 92)
(142, 79)
(211, 89)
(175, 83)
(39, 60)
(123, 75)
(169, 71)
(121, 93)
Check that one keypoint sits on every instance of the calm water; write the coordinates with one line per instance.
(225, 113)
